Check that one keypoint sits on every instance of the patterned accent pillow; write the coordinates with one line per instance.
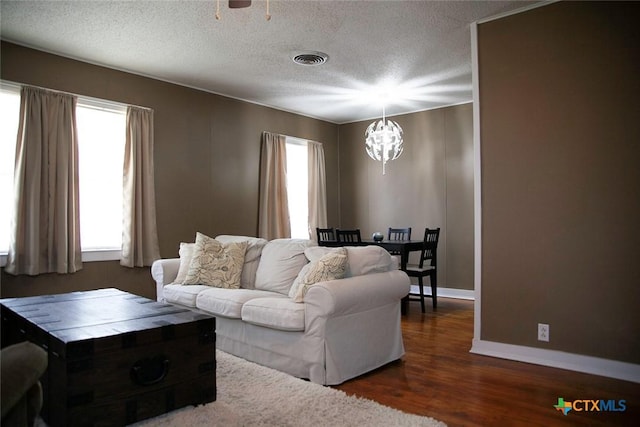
(330, 266)
(216, 264)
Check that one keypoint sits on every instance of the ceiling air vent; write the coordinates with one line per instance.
(311, 58)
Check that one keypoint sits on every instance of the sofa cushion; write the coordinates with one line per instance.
(361, 259)
(215, 263)
(228, 302)
(251, 257)
(183, 294)
(281, 261)
(276, 313)
(186, 253)
(330, 266)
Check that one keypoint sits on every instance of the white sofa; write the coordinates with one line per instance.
(342, 329)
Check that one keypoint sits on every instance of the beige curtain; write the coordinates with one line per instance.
(45, 235)
(139, 234)
(317, 188)
(273, 221)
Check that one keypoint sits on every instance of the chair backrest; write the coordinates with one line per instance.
(348, 235)
(430, 247)
(399, 233)
(326, 234)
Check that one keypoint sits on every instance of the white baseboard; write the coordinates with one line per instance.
(446, 292)
(559, 359)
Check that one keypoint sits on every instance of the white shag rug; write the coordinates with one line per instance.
(252, 395)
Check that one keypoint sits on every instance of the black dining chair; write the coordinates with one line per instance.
(399, 233)
(326, 234)
(348, 236)
(427, 267)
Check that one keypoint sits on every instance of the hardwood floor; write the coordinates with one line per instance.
(438, 377)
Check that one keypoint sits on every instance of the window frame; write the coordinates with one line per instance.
(109, 107)
(88, 255)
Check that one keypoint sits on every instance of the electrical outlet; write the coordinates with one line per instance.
(543, 332)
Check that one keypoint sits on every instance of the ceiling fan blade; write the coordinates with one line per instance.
(237, 4)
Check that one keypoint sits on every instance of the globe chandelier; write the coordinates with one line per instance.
(383, 140)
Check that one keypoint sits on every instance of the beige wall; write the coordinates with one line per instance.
(560, 147)
(207, 150)
(429, 185)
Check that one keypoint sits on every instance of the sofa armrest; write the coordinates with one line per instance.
(355, 294)
(164, 271)
(22, 365)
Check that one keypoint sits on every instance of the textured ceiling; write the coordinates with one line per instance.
(415, 53)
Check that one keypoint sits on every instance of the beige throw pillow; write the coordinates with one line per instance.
(330, 266)
(362, 259)
(186, 254)
(251, 257)
(216, 264)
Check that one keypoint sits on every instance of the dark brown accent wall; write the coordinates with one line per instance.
(207, 150)
(429, 185)
(560, 147)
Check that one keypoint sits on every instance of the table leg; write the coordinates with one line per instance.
(404, 260)
(404, 306)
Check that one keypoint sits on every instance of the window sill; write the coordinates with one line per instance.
(87, 256)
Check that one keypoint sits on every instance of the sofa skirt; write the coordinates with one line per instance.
(357, 343)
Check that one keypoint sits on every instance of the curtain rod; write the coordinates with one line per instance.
(296, 139)
(17, 85)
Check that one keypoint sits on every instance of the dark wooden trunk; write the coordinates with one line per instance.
(115, 358)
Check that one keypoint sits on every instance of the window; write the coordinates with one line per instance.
(101, 141)
(9, 117)
(297, 187)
